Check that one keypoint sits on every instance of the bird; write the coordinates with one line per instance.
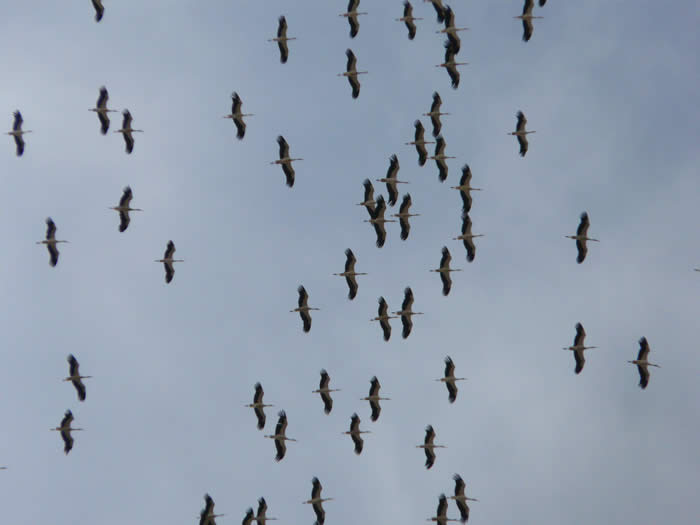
(407, 312)
(316, 501)
(460, 498)
(350, 273)
(351, 72)
(404, 215)
(451, 31)
(435, 114)
(444, 271)
(282, 38)
(352, 15)
(285, 161)
(450, 65)
(65, 430)
(124, 208)
(378, 221)
(355, 432)
(261, 516)
(578, 347)
(450, 379)
(325, 391)
(527, 17)
(51, 241)
(99, 9)
(383, 318)
(439, 9)
(391, 180)
(428, 446)
(168, 261)
(465, 188)
(374, 398)
(258, 406)
(581, 237)
(368, 201)
(520, 133)
(440, 158)
(279, 435)
(304, 308)
(408, 19)
(419, 141)
(237, 116)
(17, 133)
(441, 514)
(127, 130)
(642, 362)
(75, 377)
(101, 110)
(206, 516)
(468, 237)
(249, 517)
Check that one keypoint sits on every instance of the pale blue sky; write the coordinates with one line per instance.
(610, 88)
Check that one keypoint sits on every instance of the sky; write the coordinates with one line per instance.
(611, 91)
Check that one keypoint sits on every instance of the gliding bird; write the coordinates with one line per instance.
(642, 362)
(450, 379)
(237, 116)
(304, 308)
(450, 65)
(408, 19)
(435, 113)
(17, 133)
(316, 501)
(258, 406)
(65, 430)
(325, 391)
(351, 72)
(124, 208)
(206, 516)
(527, 17)
(451, 31)
(445, 270)
(461, 499)
(51, 242)
(440, 158)
(465, 188)
(355, 432)
(127, 130)
(280, 437)
(407, 312)
(249, 517)
(378, 221)
(350, 273)
(261, 516)
(383, 318)
(428, 447)
(368, 202)
(441, 515)
(374, 398)
(101, 110)
(419, 142)
(282, 38)
(404, 214)
(520, 133)
(391, 180)
(75, 377)
(578, 347)
(285, 161)
(352, 15)
(581, 237)
(468, 237)
(168, 261)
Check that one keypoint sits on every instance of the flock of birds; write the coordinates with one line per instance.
(376, 208)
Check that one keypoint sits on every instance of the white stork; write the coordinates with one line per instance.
(51, 241)
(316, 501)
(282, 38)
(520, 133)
(65, 430)
(258, 405)
(350, 273)
(75, 377)
(374, 398)
(206, 516)
(124, 208)
(304, 308)
(351, 73)
(444, 271)
(407, 312)
(391, 180)
(378, 221)
(368, 201)
(440, 158)
(419, 142)
(325, 391)
(642, 362)
(527, 18)
(249, 517)
(439, 9)
(461, 499)
(285, 161)
(261, 516)
(101, 110)
(99, 9)
(404, 214)
(408, 19)
(355, 433)
(383, 318)
(578, 347)
(352, 15)
(435, 114)
(451, 31)
(17, 133)
(168, 261)
(127, 130)
(581, 237)
(467, 237)
(450, 65)
(441, 514)
(279, 435)
(429, 447)
(450, 379)
(237, 116)
(465, 188)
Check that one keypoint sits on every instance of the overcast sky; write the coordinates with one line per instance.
(610, 88)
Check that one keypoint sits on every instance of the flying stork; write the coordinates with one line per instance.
(383, 318)
(51, 241)
(378, 221)
(374, 398)
(124, 208)
(419, 142)
(450, 379)
(127, 130)
(434, 115)
(465, 188)
(285, 161)
(467, 237)
(642, 362)
(368, 201)
(65, 430)
(101, 110)
(441, 514)
(352, 15)
(451, 31)
(206, 516)
(249, 517)
(351, 72)
(450, 65)
(439, 9)
(440, 158)
(279, 436)
(316, 501)
(282, 38)
(391, 180)
(325, 391)
(408, 19)
(428, 446)
(75, 377)
(350, 273)
(520, 133)
(237, 116)
(261, 516)
(258, 405)
(304, 308)
(168, 261)
(461, 499)
(578, 347)
(527, 17)
(355, 432)
(404, 214)
(444, 271)
(581, 237)
(99, 9)
(17, 133)
(407, 312)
